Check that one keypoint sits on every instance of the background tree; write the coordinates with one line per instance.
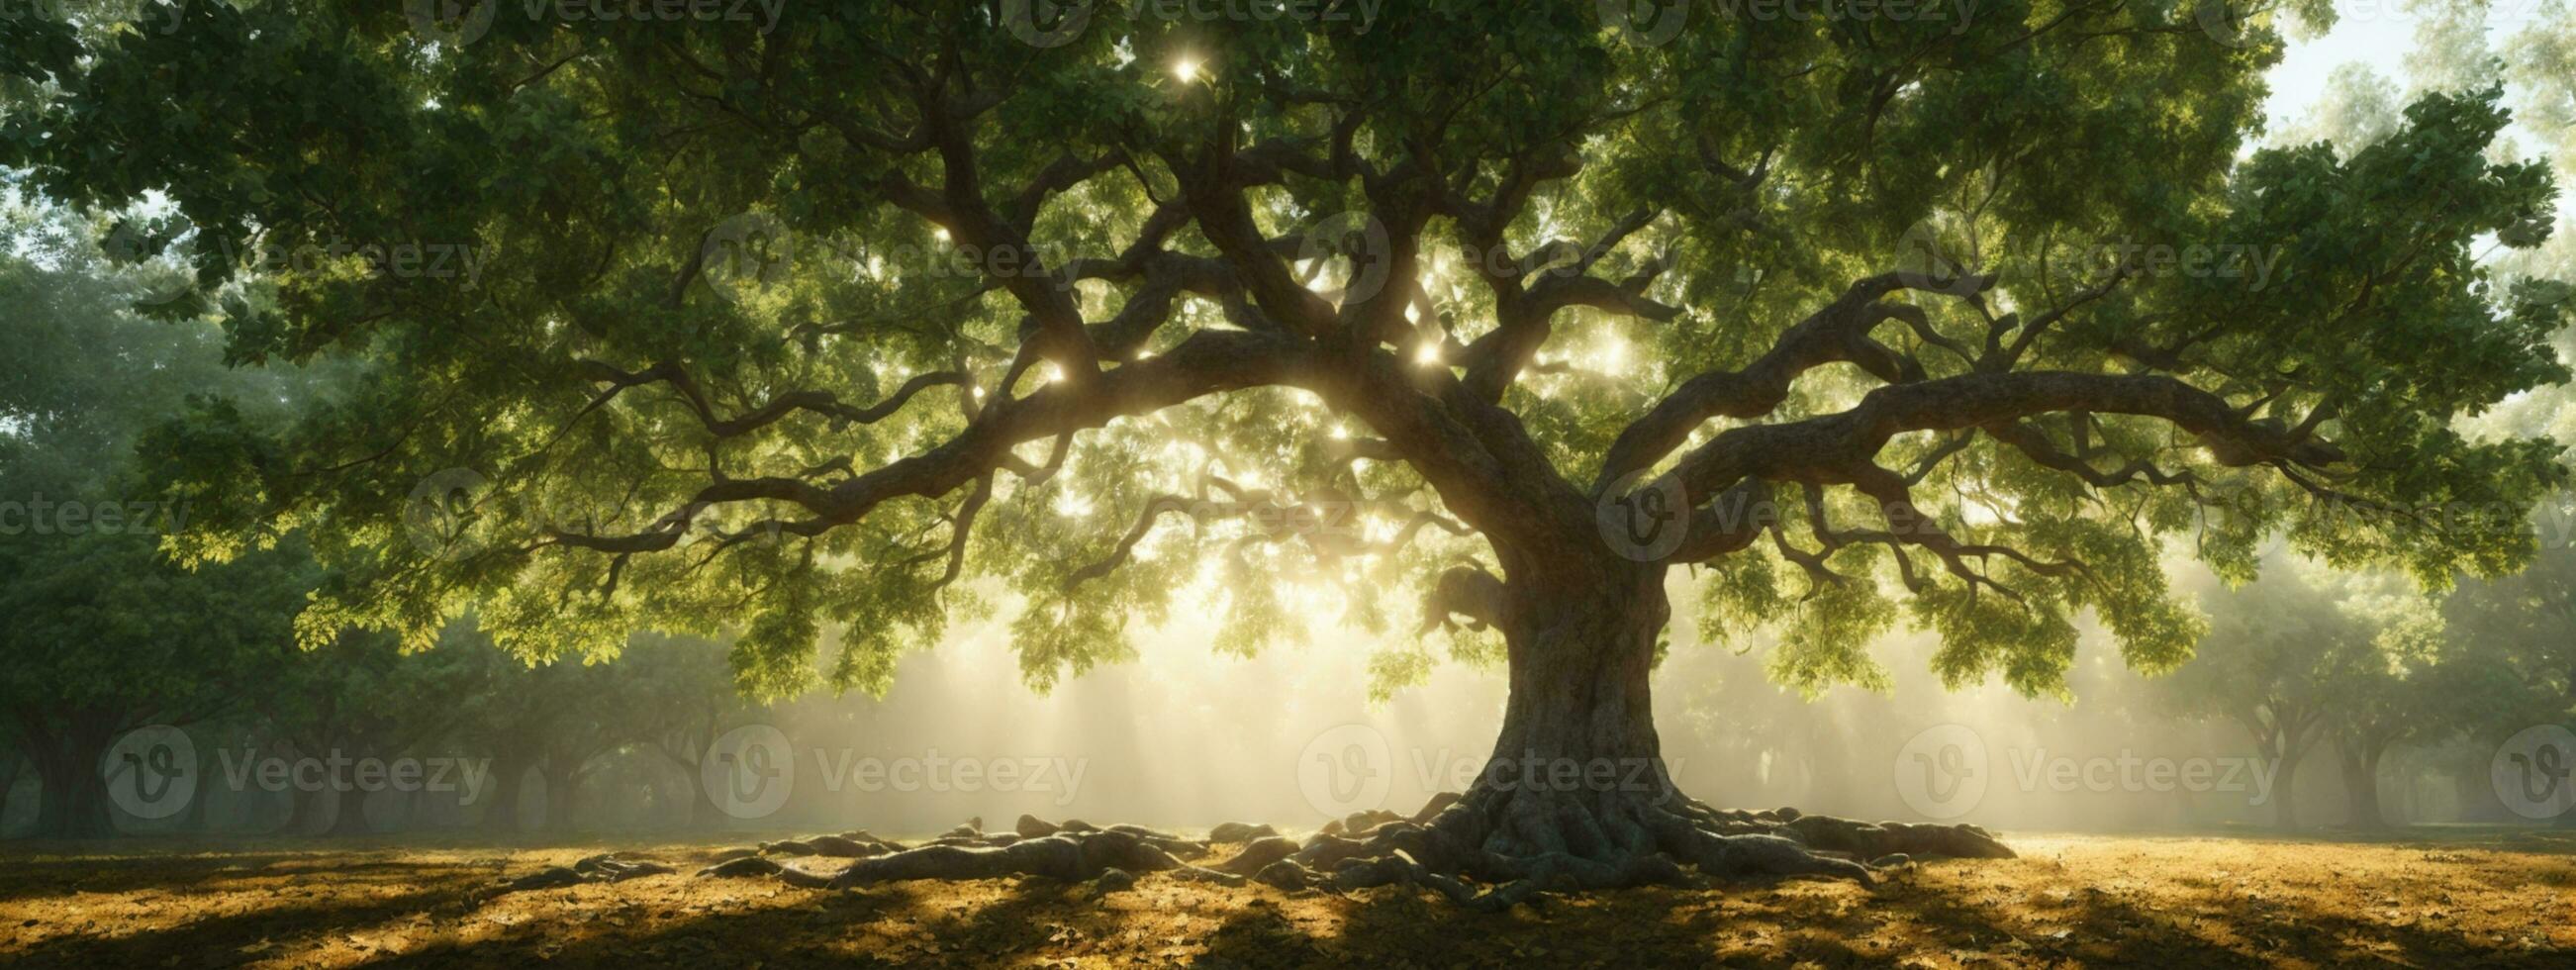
(2399, 679)
(2268, 664)
(2523, 630)
(104, 635)
(361, 697)
(556, 720)
(1516, 309)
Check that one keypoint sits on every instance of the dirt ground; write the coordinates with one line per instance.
(2458, 899)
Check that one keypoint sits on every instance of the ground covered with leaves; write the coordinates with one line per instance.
(2443, 899)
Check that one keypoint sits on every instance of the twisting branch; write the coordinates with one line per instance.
(1839, 333)
(819, 402)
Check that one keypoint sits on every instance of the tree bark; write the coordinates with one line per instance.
(2360, 763)
(1578, 767)
(9, 770)
(704, 813)
(332, 810)
(73, 803)
(501, 802)
(2285, 808)
(1579, 678)
(561, 777)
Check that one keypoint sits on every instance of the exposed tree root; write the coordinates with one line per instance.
(847, 845)
(1489, 851)
(599, 868)
(1068, 856)
(758, 867)
(1241, 832)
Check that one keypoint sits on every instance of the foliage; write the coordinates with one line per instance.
(883, 314)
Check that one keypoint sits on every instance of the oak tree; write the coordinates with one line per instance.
(1496, 322)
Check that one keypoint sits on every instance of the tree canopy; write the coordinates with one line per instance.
(787, 329)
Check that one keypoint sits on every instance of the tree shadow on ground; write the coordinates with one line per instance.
(387, 911)
(223, 940)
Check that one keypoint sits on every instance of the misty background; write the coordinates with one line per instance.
(1187, 736)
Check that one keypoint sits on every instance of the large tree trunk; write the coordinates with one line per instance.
(562, 776)
(1575, 796)
(332, 810)
(704, 813)
(2285, 809)
(2360, 764)
(501, 801)
(10, 766)
(1579, 684)
(73, 803)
